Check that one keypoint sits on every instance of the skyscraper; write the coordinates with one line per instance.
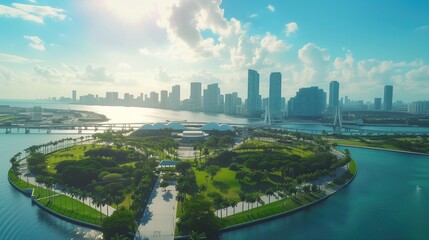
(388, 97)
(231, 100)
(195, 98)
(212, 98)
(164, 97)
(334, 89)
(377, 104)
(174, 98)
(253, 97)
(308, 102)
(275, 97)
(74, 96)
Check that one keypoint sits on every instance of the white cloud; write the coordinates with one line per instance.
(96, 74)
(124, 66)
(15, 59)
(271, 8)
(35, 43)
(291, 28)
(46, 72)
(273, 44)
(32, 13)
(253, 15)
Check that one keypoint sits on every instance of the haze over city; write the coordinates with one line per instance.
(51, 47)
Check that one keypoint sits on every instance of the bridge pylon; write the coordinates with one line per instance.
(338, 121)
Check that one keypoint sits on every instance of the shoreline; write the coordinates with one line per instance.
(29, 193)
(282, 214)
(385, 149)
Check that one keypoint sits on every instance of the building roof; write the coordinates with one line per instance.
(212, 126)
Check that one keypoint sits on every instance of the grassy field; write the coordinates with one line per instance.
(224, 182)
(271, 209)
(72, 153)
(60, 203)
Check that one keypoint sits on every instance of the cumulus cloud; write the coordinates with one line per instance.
(96, 74)
(35, 43)
(32, 13)
(291, 28)
(46, 72)
(15, 59)
(315, 63)
(187, 19)
(271, 8)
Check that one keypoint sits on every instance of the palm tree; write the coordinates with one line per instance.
(233, 204)
(269, 192)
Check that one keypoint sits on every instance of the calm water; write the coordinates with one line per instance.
(18, 218)
(381, 203)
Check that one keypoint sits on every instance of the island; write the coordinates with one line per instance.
(217, 177)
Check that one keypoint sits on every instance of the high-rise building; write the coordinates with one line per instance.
(164, 97)
(154, 99)
(275, 97)
(195, 98)
(211, 98)
(174, 98)
(334, 90)
(74, 96)
(253, 97)
(231, 101)
(388, 98)
(112, 98)
(419, 107)
(308, 102)
(377, 104)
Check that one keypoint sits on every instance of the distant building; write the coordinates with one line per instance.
(195, 98)
(388, 98)
(111, 98)
(174, 98)
(164, 98)
(154, 99)
(334, 90)
(275, 97)
(74, 96)
(211, 98)
(231, 102)
(377, 104)
(308, 102)
(253, 97)
(419, 107)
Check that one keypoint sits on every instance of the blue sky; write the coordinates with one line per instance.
(48, 48)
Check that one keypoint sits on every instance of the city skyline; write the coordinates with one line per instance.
(97, 46)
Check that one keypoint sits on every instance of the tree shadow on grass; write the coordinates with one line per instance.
(223, 187)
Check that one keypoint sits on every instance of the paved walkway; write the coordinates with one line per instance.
(159, 218)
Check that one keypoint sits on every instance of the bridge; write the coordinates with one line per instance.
(89, 128)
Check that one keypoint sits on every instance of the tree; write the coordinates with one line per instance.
(269, 192)
(120, 223)
(164, 184)
(213, 170)
(196, 236)
(199, 216)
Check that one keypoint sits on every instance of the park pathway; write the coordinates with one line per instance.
(159, 218)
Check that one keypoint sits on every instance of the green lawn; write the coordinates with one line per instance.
(224, 182)
(271, 209)
(72, 153)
